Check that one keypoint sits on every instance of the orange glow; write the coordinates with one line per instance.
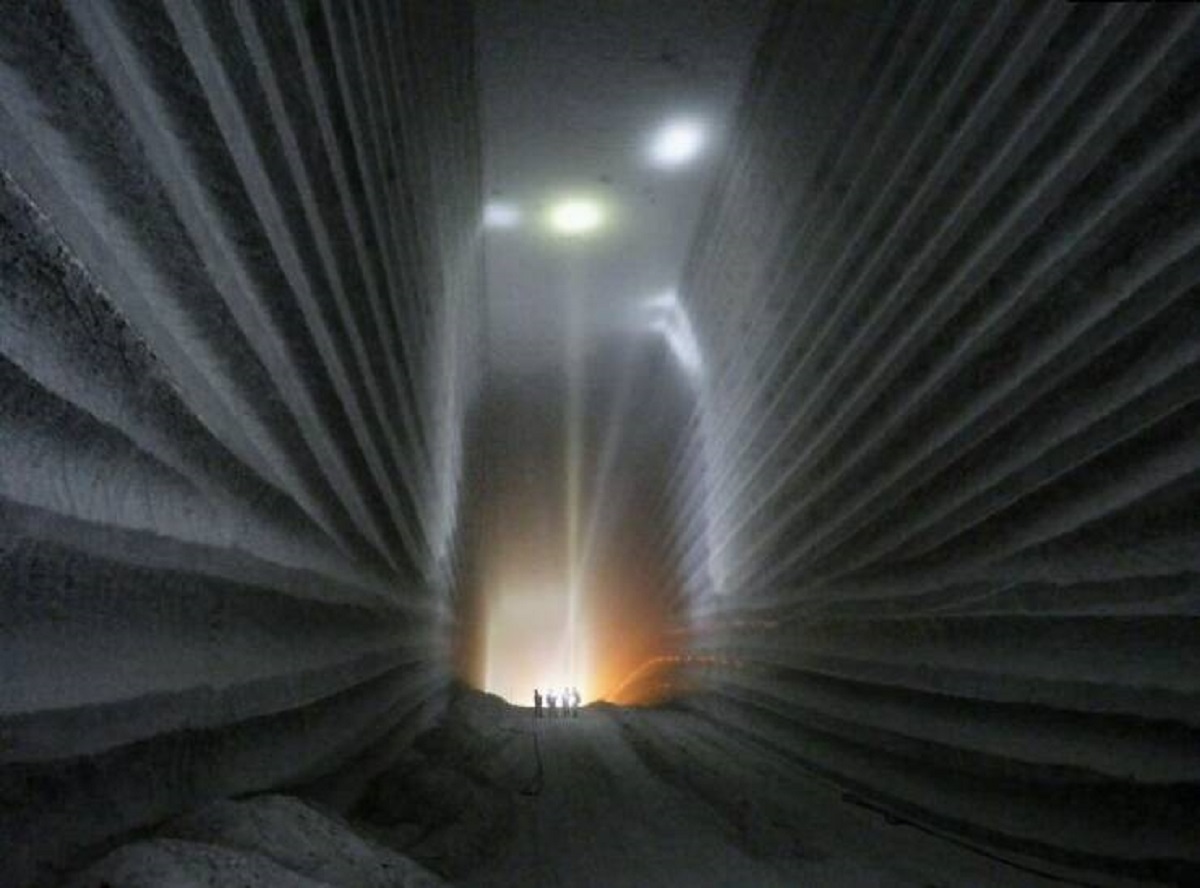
(641, 677)
(657, 678)
(621, 626)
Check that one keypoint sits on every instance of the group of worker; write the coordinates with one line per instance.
(567, 703)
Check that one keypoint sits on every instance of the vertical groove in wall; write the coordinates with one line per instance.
(238, 326)
(943, 548)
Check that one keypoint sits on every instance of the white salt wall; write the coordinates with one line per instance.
(947, 292)
(238, 325)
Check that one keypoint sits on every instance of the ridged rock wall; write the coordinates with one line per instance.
(238, 320)
(945, 547)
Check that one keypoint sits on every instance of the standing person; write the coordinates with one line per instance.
(550, 702)
(575, 702)
(537, 703)
(566, 702)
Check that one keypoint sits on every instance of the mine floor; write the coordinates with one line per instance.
(636, 797)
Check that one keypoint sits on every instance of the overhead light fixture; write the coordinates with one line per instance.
(501, 215)
(677, 142)
(575, 217)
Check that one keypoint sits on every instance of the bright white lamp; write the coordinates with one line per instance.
(677, 142)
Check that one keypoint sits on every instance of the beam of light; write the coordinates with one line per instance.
(538, 632)
(677, 142)
(574, 457)
(668, 317)
(500, 214)
(614, 432)
(575, 217)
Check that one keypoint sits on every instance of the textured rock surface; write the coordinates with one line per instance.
(268, 840)
(945, 549)
(449, 801)
(170, 863)
(300, 839)
(239, 309)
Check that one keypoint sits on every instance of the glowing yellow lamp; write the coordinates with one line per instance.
(575, 217)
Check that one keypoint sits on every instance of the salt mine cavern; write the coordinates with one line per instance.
(800, 397)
